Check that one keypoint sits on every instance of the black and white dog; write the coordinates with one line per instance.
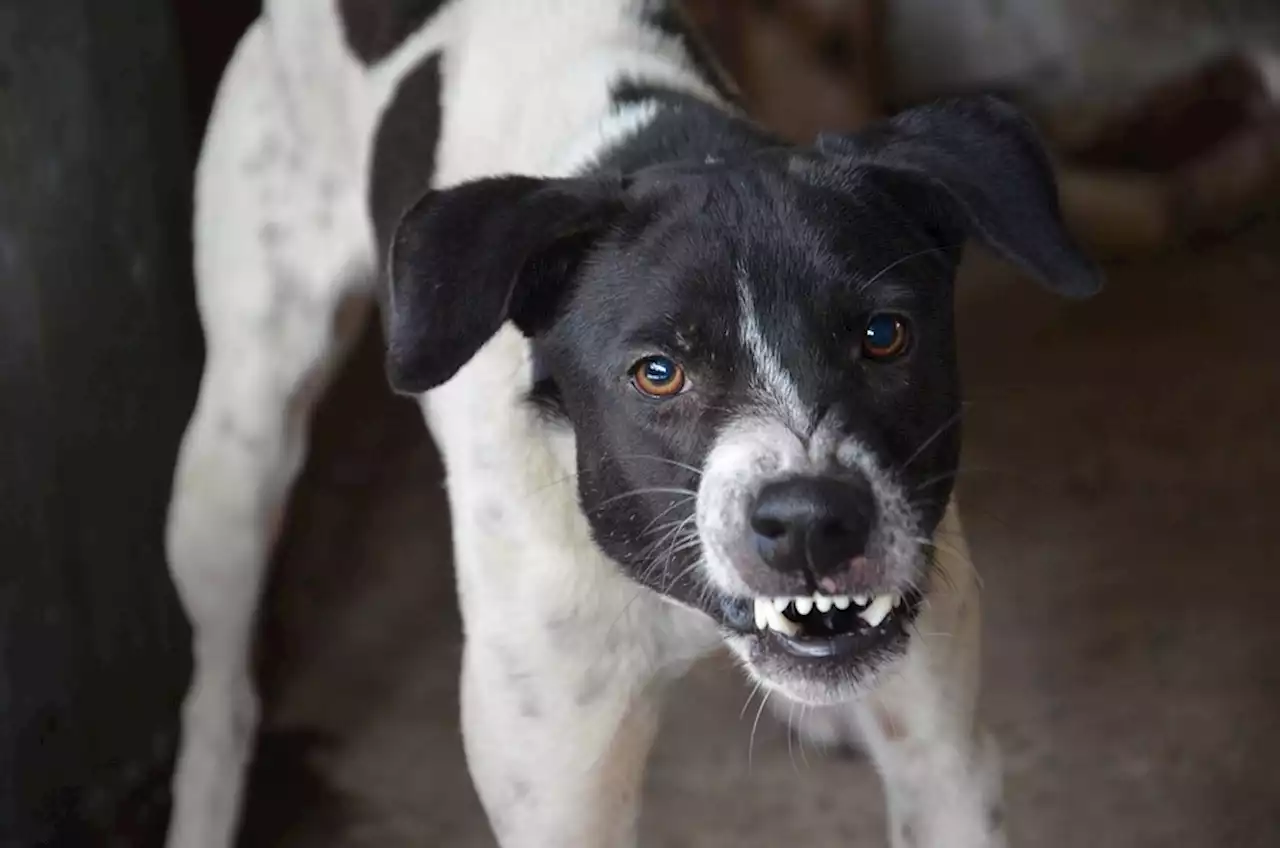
(693, 387)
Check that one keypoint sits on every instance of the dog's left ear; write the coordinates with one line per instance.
(465, 260)
(986, 162)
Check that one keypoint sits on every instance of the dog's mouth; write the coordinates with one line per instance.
(825, 627)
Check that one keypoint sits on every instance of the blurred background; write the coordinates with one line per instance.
(1121, 476)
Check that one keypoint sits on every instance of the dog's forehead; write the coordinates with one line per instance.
(750, 269)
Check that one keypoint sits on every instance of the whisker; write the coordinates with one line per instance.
(666, 525)
(947, 425)
(650, 491)
(747, 703)
(803, 756)
(791, 732)
(954, 553)
(559, 481)
(901, 260)
(662, 459)
(674, 580)
(751, 743)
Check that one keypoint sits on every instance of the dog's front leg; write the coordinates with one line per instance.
(557, 756)
(941, 771)
(559, 711)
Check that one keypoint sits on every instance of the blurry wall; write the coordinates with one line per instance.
(100, 353)
(1092, 55)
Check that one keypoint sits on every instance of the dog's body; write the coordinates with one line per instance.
(332, 119)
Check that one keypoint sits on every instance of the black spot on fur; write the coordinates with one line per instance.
(529, 708)
(266, 155)
(404, 155)
(594, 685)
(271, 234)
(375, 28)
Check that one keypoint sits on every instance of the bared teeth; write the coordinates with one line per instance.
(772, 613)
(879, 609)
(768, 615)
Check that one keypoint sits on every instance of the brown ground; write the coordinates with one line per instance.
(1122, 493)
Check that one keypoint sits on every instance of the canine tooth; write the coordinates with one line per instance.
(804, 606)
(897, 600)
(823, 602)
(780, 604)
(841, 602)
(762, 614)
(879, 608)
(781, 623)
(860, 600)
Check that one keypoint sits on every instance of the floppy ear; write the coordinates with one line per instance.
(465, 260)
(986, 160)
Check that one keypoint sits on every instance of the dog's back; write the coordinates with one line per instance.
(384, 95)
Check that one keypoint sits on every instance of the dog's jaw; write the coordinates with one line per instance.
(764, 613)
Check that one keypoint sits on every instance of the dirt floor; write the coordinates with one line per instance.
(1122, 491)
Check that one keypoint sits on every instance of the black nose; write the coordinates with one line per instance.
(814, 524)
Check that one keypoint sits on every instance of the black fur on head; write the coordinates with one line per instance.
(604, 272)
(466, 260)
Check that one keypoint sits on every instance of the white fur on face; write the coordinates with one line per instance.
(753, 451)
(749, 453)
(774, 386)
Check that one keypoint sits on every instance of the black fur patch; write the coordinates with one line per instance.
(375, 28)
(687, 130)
(404, 154)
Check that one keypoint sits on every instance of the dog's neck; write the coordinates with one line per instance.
(681, 128)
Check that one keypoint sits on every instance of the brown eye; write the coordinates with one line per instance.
(885, 338)
(658, 376)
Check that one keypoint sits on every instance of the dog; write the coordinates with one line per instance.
(693, 387)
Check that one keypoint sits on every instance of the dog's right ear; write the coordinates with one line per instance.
(466, 259)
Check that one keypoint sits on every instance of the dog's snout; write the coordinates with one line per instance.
(814, 524)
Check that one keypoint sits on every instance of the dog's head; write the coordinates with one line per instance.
(756, 356)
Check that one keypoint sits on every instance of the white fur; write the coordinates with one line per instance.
(746, 455)
(565, 659)
(756, 449)
(776, 387)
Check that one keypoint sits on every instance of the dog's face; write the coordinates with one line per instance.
(757, 359)
(759, 368)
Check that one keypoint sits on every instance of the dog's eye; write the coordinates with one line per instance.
(885, 338)
(658, 376)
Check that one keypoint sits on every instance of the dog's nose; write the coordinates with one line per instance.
(815, 524)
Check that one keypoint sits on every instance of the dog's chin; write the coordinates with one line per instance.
(820, 656)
